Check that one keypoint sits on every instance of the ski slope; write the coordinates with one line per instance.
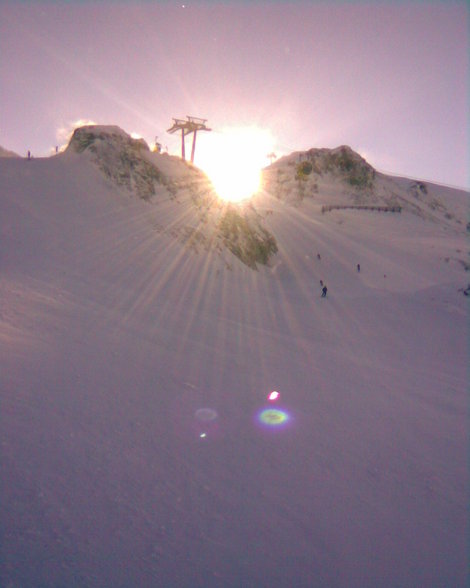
(114, 334)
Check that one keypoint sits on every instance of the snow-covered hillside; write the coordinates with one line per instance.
(340, 178)
(128, 304)
(6, 153)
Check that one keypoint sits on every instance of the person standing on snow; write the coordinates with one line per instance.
(324, 291)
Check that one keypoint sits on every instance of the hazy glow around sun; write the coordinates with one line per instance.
(233, 159)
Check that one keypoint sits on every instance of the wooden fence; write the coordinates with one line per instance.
(330, 207)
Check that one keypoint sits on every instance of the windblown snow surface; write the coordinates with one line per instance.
(115, 330)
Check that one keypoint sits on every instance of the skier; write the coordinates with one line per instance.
(324, 291)
(358, 267)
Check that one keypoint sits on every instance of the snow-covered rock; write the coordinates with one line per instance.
(120, 157)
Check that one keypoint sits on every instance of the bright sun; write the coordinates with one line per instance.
(233, 159)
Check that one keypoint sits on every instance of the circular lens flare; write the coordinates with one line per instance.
(273, 396)
(205, 414)
(273, 417)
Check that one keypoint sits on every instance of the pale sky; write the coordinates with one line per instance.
(390, 79)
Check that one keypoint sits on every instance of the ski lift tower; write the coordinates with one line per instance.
(188, 126)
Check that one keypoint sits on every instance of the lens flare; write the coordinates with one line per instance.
(273, 396)
(273, 417)
(206, 424)
(206, 414)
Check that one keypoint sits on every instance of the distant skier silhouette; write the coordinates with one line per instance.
(324, 291)
(358, 267)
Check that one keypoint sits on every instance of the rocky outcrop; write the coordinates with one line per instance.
(119, 157)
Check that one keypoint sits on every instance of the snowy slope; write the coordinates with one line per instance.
(6, 153)
(114, 333)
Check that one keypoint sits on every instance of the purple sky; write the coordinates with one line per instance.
(388, 79)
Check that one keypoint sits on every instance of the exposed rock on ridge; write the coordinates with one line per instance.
(119, 156)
